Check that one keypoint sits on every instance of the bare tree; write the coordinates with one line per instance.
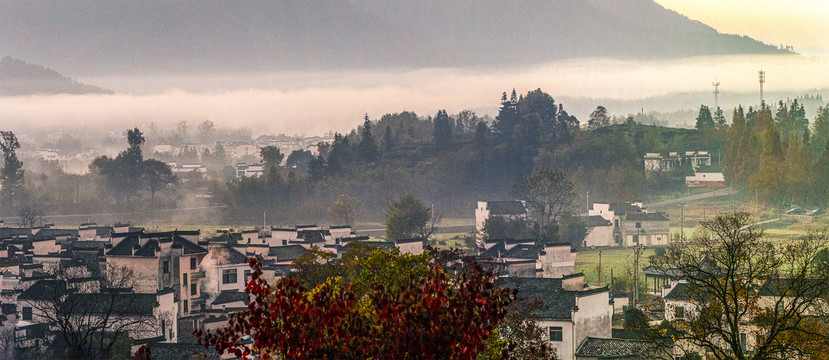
(30, 215)
(748, 298)
(548, 194)
(90, 318)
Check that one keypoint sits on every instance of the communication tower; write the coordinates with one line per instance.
(716, 93)
(762, 80)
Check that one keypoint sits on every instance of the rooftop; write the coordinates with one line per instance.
(512, 207)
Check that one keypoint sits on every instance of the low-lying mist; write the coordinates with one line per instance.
(318, 102)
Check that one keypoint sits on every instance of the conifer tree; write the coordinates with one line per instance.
(368, 147)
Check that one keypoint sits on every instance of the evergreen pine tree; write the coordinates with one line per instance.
(442, 132)
(704, 119)
(368, 147)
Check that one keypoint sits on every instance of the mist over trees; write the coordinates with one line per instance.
(448, 161)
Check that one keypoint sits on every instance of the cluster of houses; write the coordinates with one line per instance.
(187, 280)
(178, 280)
(577, 316)
(608, 224)
(698, 161)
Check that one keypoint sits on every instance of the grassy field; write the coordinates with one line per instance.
(620, 260)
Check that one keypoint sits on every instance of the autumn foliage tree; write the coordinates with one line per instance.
(447, 313)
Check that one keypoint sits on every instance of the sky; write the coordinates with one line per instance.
(799, 23)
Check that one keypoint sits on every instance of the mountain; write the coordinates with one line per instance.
(174, 36)
(20, 78)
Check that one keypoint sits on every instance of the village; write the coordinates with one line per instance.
(181, 280)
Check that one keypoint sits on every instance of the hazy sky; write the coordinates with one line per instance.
(318, 102)
(800, 23)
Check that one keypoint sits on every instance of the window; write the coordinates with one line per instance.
(616, 223)
(165, 267)
(284, 242)
(679, 312)
(27, 313)
(184, 280)
(556, 333)
(743, 340)
(638, 225)
(192, 263)
(229, 276)
(186, 306)
(636, 238)
(247, 276)
(194, 289)
(163, 327)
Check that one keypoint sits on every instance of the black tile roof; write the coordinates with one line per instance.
(151, 245)
(406, 241)
(528, 252)
(776, 287)
(603, 349)
(679, 292)
(226, 255)
(8, 232)
(123, 304)
(43, 290)
(173, 351)
(226, 297)
(556, 303)
(657, 216)
(624, 208)
(287, 253)
(312, 236)
(53, 233)
(231, 238)
(595, 220)
(506, 208)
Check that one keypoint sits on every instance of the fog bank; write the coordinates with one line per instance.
(318, 102)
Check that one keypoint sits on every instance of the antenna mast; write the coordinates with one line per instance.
(762, 80)
(716, 93)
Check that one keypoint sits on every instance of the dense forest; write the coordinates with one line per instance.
(452, 161)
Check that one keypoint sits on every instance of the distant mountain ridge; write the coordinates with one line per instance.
(18, 77)
(105, 37)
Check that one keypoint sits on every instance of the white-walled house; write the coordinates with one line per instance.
(509, 210)
(413, 246)
(557, 260)
(160, 261)
(599, 232)
(569, 313)
(707, 179)
(632, 225)
(226, 269)
(646, 229)
(523, 258)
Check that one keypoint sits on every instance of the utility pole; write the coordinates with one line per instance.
(264, 220)
(637, 251)
(600, 268)
(716, 93)
(762, 80)
(681, 220)
(611, 280)
(587, 202)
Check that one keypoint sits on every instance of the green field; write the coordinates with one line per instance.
(620, 260)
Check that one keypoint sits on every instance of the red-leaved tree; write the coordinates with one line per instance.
(447, 314)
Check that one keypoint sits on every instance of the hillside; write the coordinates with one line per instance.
(87, 37)
(20, 78)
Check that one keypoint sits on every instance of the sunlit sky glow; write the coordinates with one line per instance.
(799, 23)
